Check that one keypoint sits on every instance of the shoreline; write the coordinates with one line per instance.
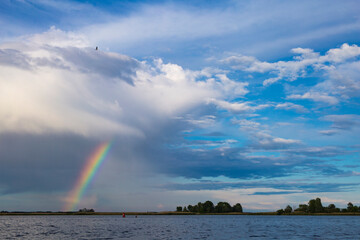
(173, 213)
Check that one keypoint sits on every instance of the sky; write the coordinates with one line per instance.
(256, 102)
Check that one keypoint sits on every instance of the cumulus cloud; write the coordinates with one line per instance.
(51, 92)
(46, 78)
(294, 69)
(339, 68)
(63, 88)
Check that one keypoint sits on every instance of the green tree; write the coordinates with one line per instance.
(302, 208)
(318, 206)
(200, 207)
(179, 209)
(330, 209)
(190, 208)
(280, 212)
(185, 209)
(311, 207)
(331, 206)
(288, 209)
(237, 208)
(350, 207)
(208, 207)
(355, 209)
(223, 207)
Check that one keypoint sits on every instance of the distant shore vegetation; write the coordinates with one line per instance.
(315, 206)
(209, 207)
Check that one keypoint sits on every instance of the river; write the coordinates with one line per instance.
(180, 227)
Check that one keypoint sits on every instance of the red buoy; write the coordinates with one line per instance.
(123, 214)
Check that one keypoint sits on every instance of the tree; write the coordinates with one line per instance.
(288, 209)
(311, 208)
(355, 209)
(350, 207)
(185, 209)
(190, 208)
(318, 206)
(302, 208)
(223, 207)
(208, 207)
(280, 211)
(331, 206)
(237, 208)
(85, 210)
(200, 207)
(179, 209)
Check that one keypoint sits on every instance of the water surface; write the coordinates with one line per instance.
(180, 227)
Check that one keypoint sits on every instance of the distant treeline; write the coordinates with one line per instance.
(86, 210)
(209, 207)
(315, 206)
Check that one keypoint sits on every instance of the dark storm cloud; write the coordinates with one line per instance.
(52, 162)
(41, 163)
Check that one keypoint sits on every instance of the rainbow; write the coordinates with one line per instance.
(87, 174)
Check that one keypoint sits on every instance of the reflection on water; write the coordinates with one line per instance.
(180, 227)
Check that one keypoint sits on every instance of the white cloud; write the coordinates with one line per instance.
(292, 106)
(292, 70)
(246, 124)
(236, 89)
(329, 132)
(264, 140)
(342, 54)
(285, 141)
(203, 122)
(315, 96)
(339, 68)
(63, 85)
(341, 83)
(237, 107)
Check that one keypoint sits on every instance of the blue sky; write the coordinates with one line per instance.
(254, 102)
